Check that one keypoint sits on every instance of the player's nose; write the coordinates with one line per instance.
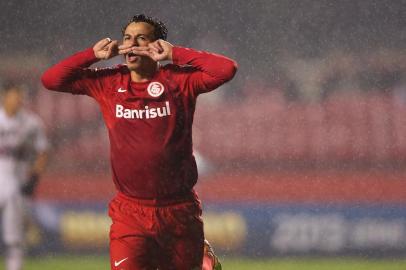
(134, 42)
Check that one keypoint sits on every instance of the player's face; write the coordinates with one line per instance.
(138, 34)
(12, 101)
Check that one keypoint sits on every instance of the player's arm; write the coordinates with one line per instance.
(40, 163)
(210, 70)
(72, 73)
(40, 148)
(37, 169)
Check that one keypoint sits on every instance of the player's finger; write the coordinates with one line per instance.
(153, 50)
(156, 47)
(112, 48)
(102, 43)
(141, 52)
(161, 48)
(135, 49)
(139, 49)
(124, 51)
(123, 47)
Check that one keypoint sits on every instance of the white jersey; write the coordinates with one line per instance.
(21, 137)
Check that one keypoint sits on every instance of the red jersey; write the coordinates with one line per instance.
(149, 123)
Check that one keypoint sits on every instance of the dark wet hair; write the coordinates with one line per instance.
(160, 30)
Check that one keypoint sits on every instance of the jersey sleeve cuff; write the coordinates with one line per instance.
(84, 58)
(89, 56)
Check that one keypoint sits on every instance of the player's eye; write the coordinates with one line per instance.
(141, 38)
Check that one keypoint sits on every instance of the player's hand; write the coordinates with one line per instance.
(106, 48)
(159, 50)
(28, 189)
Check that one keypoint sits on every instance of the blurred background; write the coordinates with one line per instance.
(303, 153)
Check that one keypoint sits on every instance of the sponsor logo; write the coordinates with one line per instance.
(145, 113)
(121, 90)
(117, 263)
(155, 89)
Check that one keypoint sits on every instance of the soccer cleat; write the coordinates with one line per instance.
(208, 251)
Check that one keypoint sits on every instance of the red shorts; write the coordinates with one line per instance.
(151, 234)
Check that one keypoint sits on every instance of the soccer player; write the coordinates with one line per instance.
(148, 110)
(23, 148)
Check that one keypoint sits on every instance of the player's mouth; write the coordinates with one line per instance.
(132, 58)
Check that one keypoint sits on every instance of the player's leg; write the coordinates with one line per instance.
(210, 260)
(182, 253)
(13, 232)
(181, 238)
(132, 252)
(131, 244)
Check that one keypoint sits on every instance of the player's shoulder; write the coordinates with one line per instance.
(108, 71)
(177, 69)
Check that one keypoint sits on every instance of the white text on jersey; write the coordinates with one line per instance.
(146, 113)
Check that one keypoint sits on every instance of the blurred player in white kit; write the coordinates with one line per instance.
(23, 156)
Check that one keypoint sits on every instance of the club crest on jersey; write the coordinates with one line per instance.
(155, 89)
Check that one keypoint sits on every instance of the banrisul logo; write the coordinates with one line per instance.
(155, 89)
(146, 113)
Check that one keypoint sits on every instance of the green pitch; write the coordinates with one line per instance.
(101, 263)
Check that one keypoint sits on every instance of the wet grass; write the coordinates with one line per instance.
(102, 263)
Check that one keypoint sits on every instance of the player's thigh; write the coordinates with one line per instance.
(129, 251)
(184, 254)
(13, 220)
(132, 253)
(183, 240)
